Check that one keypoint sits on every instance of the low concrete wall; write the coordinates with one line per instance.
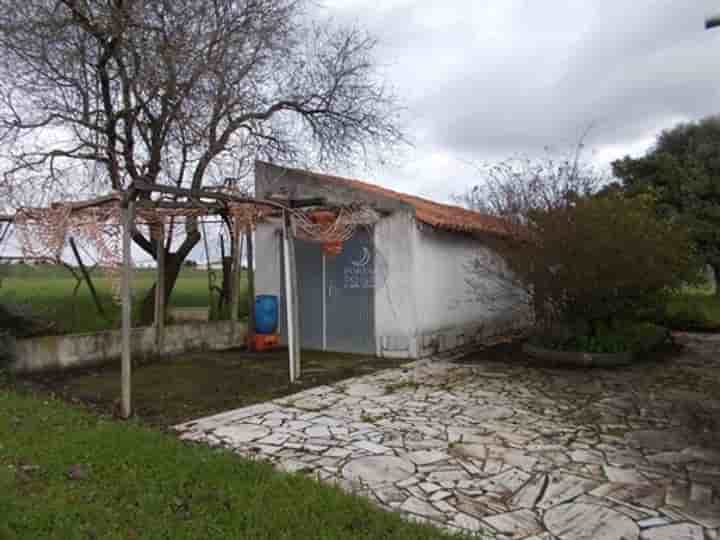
(451, 340)
(698, 342)
(81, 350)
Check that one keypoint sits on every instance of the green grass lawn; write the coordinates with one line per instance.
(136, 483)
(49, 292)
(693, 310)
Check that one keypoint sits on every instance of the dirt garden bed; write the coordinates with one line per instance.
(198, 384)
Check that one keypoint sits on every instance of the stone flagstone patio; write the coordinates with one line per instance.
(506, 450)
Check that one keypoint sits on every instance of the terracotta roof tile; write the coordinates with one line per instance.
(442, 216)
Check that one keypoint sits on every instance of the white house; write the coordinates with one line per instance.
(400, 287)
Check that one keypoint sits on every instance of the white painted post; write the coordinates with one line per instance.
(160, 291)
(126, 368)
(237, 266)
(289, 297)
(251, 286)
(296, 304)
(324, 302)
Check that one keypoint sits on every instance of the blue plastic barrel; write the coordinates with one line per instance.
(266, 313)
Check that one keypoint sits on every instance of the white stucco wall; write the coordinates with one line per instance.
(423, 303)
(451, 314)
(268, 278)
(268, 269)
(395, 307)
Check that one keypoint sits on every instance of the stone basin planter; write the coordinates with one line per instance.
(698, 342)
(576, 358)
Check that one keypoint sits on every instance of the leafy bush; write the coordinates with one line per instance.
(620, 337)
(698, 313)
(599, 259)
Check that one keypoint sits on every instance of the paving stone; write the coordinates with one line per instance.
(649, 496)
(450, 475)
(475, 451)
(378, 469)
(513, 458)
(677, 495)
(277, 439)
(362, 389)
(659, 440)
(680, 531)
(493, 466)
(529, 494)
(706, 455)
(318, 432)
(700, 493)
(468, 523)
(409, 482)
(652, 522)
(507, 442)
(444, 507)
(429, 487)
(562, 488)
(518, 524)
(242, 433)
(481, 506)
(440, 495)
(426, 457)
(482, 414)
(588, 456)
(293, 465)
(587, 521)
(389, 494)
(422, 508)
(707, 515)
(337, 452)
(671, 458)
(372, 447)
(505, 483)
(624, 476)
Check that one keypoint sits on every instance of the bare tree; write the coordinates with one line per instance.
(99, 94)
(515, 187)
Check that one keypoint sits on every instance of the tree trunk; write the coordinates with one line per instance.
(225, 289)
(173, 264)
(716, 274)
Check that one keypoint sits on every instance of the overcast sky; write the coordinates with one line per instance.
(486, 79)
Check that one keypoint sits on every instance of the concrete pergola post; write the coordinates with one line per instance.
(237, 237)
(291, 299)
(251, 285)
(159, 231)
(128, 217)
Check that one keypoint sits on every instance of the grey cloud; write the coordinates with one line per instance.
(487, 79)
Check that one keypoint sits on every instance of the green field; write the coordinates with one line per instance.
(48, 291)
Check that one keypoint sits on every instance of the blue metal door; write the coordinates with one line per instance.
(309, 264)
(350, 297)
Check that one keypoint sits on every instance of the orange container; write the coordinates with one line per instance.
(265, 342)
(332, 249)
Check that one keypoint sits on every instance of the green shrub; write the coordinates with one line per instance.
(692, 312)
(620, 337)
